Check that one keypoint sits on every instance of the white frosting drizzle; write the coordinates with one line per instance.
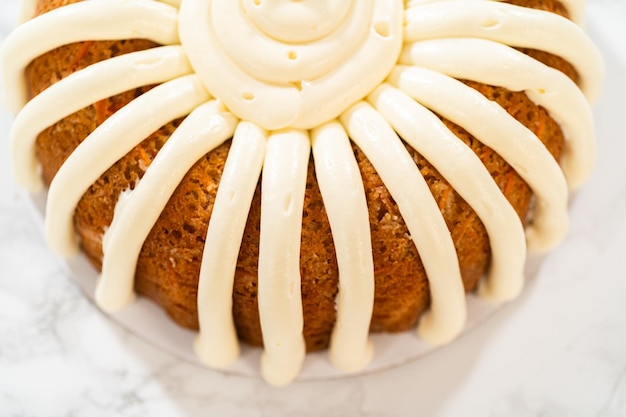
(108, 143)
(204, 129)
(384, 149)
(217, 343)
(76, 22)
(283, 184)
(545, 86)
(82, 88)
(27, 10)
(175, 3)
(503, 133)
(575, 8)
(293, 65)
(343, 193)
(460, 166)
(511, 25)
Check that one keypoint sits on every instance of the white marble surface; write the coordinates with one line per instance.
(559, 350)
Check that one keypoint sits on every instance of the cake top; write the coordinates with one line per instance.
(285, 78)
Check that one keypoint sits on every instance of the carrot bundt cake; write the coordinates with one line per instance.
(298, 174)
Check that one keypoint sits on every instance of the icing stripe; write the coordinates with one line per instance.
(175, 3)
(283, 184)
(575, 8)
(460, 166)
(343, 194)
(216, 344)
(108, 143)
(27, 10)
(500, 131)
(77, 22)
(82, 88)
(514, 26)
(384, 149)
(545, 86)
(204, 129)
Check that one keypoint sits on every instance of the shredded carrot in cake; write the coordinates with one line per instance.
(143, 157)
(80, 53)
(508, 183)
(102, 110)
(443, 198)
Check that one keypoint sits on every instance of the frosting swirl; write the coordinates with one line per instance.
(296, 21)
(242, 54)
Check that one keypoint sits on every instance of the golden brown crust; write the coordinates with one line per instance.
(169, 263)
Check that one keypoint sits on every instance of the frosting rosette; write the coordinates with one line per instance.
(291, 63)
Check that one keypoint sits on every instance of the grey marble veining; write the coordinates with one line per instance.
(559, 350)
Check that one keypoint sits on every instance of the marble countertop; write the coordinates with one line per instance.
(558, 350)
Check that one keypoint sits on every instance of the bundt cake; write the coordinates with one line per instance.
(298, 174)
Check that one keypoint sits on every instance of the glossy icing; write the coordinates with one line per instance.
(343, 193)
(290, 78)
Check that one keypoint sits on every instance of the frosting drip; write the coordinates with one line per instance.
(544, 85)
(343, 193)
(500, 131)
(217, 344)
(373, 134)
(285, 78)
(513, 26)
(283, 184)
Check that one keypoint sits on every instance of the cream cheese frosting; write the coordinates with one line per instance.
(289, 79)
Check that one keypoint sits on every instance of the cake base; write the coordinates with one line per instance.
(146, 320)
